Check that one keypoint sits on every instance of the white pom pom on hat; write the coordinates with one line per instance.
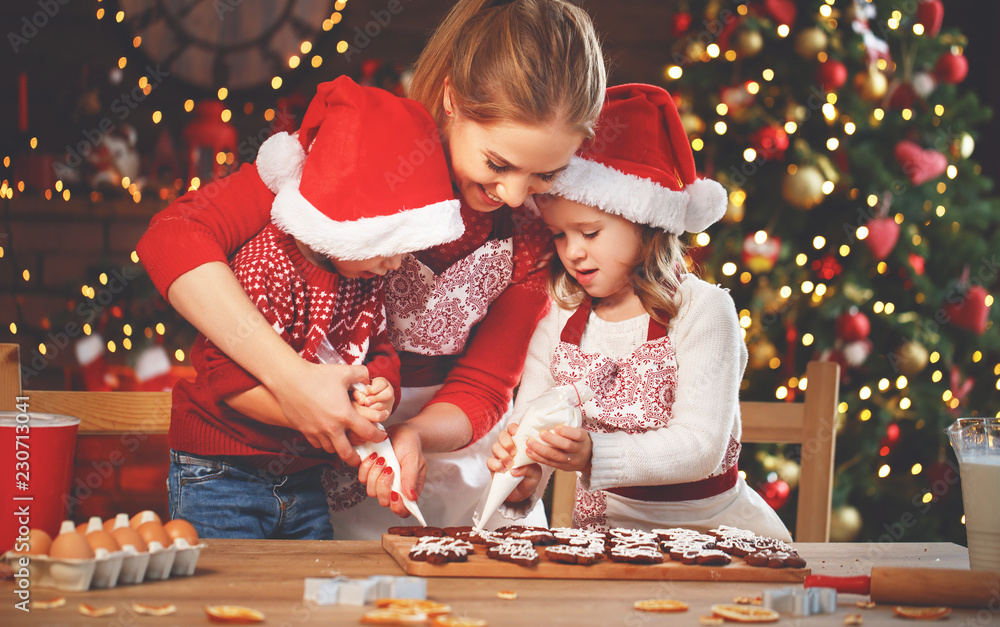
(280, 160)
(640, 165)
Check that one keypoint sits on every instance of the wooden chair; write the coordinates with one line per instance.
(106, 413)
(810, 423)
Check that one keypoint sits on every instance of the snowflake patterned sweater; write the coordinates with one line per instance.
(303, 303)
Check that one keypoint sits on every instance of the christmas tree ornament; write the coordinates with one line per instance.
(968, 310)
(916, 262)
(692, 123)
(803, 188)
(781, 11)
(789, 471)
(827, 267)
(883, 233)
(679, 23)
(845, 524)
(910, 358)
(775, 493)
(748, 42)
(852, 325)
(920, 165)
(831, 75)
(902, 95)
(856, 353)
(951, 67)
(760, 252)
(771, 142)
(930, 15)
(965, 145)
(810, 42)
(871, 84)
(924, 84)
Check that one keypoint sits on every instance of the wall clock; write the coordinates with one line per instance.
(237, 44)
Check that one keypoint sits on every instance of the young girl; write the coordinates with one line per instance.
(514, 87)
(660, 347)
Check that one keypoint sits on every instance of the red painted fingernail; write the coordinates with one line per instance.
(394, 496)
(413, 495)
(380, 461)
(373, 456)
(387, 471)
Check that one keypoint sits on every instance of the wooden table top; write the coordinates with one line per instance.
(268, 575)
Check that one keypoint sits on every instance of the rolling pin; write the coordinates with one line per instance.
(919, 586)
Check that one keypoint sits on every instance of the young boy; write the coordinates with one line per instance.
(339, 222)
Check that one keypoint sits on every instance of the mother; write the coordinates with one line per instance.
(515, 87)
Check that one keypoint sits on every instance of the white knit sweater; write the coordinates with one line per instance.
(711, 357)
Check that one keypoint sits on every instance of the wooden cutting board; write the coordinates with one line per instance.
(481, 566)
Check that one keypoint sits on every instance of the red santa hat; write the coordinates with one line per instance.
(640, 165)
(364, 177)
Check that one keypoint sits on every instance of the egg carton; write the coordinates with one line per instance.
(107, 569)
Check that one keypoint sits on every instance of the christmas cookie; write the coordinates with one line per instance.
(440, 550)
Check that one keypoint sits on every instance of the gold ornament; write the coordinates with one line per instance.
(911, 358)
(845, 524)
(810, 42)
(804, 187)
(871, 84)
(693, 125)
(748, 42)
(789, 471)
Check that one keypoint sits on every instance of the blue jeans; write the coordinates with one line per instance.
(223, 499)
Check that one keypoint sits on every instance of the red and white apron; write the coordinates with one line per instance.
(432, 314)
(634, 395)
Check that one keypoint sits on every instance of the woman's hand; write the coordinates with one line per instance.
(314, 398)
(564, 448)
(377, 476)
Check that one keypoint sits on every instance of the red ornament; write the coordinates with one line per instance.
(831, 75)
(775, 493)
(902, 96)
(760, 257)
(918, 164)
(783, 11)
(917, 263)
(930, 14)
(970, 312)
(679, 23)
(883, 233)
(771, 142)
(951, 68)
(205, 137)
(826, 267)
(853, 326)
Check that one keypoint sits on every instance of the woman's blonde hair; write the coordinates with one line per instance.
(526, 61)
(656, 279)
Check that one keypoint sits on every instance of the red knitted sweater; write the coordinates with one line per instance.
(303, 303)
(211, 223)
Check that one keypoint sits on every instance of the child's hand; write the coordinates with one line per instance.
(503, 450)
(532, 474)
(378, 397)
(565, 448)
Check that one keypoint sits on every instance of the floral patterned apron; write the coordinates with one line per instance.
(633, 395)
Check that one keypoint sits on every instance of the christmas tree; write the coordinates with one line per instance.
(859, 230)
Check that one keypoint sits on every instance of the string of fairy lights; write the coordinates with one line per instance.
(306, 56)
(895, 391)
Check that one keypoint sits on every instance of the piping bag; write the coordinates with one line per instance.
(558, 406)
(918, 586)
(327, 354)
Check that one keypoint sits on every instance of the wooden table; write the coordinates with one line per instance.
(268, 575)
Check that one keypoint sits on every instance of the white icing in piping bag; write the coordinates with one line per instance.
(559, 406)
(327, 354)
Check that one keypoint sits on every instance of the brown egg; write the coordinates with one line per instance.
(102, 539)
(180, 528)
(109, 524)
(152, 531)
(82, 528)
(127, 536)
(39, 542)
(70, 545)
(144, 516)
